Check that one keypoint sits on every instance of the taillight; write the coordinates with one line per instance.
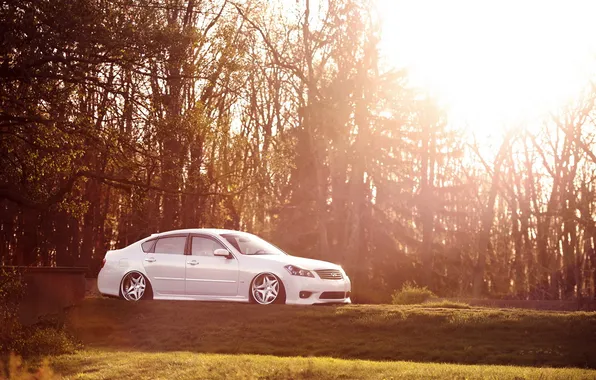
(103, 262)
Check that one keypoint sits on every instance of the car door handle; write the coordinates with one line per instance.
(194, 262)
(150, 259)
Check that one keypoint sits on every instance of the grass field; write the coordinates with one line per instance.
(185, 365)
(380, 332)
(164, 339)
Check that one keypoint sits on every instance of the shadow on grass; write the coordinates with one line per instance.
(468, 336)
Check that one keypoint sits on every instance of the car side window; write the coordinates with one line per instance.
(148, 246)
(173, 245)
(201, 246)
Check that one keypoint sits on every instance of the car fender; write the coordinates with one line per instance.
(251, 267)
(132, 261)
(119, 263)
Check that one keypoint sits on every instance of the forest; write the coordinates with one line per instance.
(123, 118)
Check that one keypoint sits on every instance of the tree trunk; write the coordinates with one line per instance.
(487, 219)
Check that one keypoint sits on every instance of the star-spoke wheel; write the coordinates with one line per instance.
(133, 286)
(266, 289)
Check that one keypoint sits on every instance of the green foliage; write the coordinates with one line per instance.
(411, 294)
(48, 341)
(11, 293)
(15, 369)
(40, 340)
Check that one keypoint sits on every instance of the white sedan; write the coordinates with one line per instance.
(219, 265)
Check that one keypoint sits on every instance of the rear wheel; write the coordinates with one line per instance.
(266, 289)
(135, 287)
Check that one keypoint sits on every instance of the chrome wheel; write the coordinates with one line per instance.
(265, 289)
(133, 286)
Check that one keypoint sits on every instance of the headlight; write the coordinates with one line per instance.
(296, 271)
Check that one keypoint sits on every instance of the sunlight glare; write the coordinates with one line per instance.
(493, 63)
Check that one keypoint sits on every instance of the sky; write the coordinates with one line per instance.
(493, 64)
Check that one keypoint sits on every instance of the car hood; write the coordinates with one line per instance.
(301, 262)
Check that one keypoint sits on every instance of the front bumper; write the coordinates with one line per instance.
(320, 290)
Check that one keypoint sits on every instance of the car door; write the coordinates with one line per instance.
(207, 274)
(165, 265)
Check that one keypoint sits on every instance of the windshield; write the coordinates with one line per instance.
(252, 245)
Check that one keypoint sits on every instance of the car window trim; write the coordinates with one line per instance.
(151, 249)
(214, 238)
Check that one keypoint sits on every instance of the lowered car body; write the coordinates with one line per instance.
(219, 265)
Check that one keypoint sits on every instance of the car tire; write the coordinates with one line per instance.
(261, 298)
(135, 279)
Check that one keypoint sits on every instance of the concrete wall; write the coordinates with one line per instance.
(50, 291)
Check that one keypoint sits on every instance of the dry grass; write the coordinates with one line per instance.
(14, 368)
(186, 365)
(447, 305)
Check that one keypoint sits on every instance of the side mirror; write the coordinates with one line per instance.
(222, 253)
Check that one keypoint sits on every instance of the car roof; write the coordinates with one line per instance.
(212, 231)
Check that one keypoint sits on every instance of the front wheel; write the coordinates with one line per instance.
(134, 287)
(266, 289)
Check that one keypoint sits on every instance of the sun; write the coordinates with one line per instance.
(493, 63)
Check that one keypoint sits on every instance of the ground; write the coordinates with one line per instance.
(158, 339)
